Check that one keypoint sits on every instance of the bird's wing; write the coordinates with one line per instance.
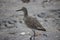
(34, 23)
(38, 25)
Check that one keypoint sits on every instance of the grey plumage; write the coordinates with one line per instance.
(31, 22)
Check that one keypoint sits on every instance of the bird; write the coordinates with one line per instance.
(31, 22)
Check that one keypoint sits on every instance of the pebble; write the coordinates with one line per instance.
(15, 21)
(10, 22)
(22, 33)
(45, 20)
(59, 16)
(20, 21)
(58, 29)
(4, 21)
(42, 15)
(45, 35)
(5, 25)
(25, 1)
(55, 10)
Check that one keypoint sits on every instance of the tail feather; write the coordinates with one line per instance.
(42, 29)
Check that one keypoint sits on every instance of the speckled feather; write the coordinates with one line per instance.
(31, 22)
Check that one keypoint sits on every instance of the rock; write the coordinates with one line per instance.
(45, 35)
(25, 1)
(4, 21)
(58, 29)
(0, 24)
(11, 21)
(42, 15)
(13, 33)
(9, 25)
(14, 21)
(54, 10)
(5, 25)
(59, 16)
(20, 21)
(45, 20)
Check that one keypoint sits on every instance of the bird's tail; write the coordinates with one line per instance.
(42, 29)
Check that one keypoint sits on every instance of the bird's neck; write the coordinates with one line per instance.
(25, 13)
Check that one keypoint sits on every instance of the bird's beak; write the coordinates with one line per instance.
(19, 10)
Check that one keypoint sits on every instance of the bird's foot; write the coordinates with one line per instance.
(32, 37)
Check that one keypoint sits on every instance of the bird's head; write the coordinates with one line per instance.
(24, 10)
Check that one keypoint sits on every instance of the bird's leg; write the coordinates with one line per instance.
(33, 36)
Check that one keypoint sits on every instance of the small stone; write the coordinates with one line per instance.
(52, 10)
(15, 21)
(53, 20)
(58, 13)
(4, 21)
(20, 21)
(5, 25)
(58, 29)
(45, 20)
(9, 25)
(0, 24)
(44, 35)
(59, 16)
(25, 1)
(38, 15)
(10, 22)
(41, 15)
(23, 33)
(12, 33)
